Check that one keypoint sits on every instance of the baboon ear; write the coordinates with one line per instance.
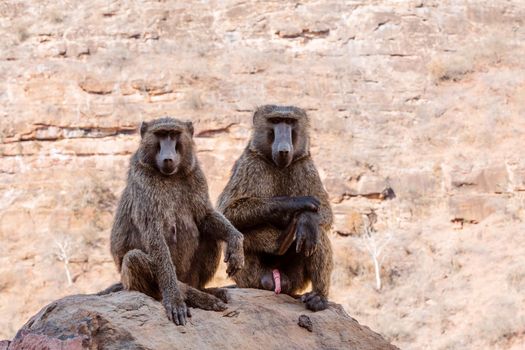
(143, 128)
(258, 110)
(189, 125)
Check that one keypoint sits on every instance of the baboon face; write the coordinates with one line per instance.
(280, 134)
(167, 145)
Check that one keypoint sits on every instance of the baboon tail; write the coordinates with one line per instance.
(117, 287)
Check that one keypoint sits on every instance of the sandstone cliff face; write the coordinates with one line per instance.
(426, 98)
(254, 320)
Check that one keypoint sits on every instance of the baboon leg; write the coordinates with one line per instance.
(250, 276)
(117, 287)
(221, 293)
(202, 300)
(205, 261)
(137, 274)
(319, 268)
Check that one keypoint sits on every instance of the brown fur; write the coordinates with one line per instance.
(265, 201)
(166, 235)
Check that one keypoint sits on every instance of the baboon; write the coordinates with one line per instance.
(166, 235)
(274, 196)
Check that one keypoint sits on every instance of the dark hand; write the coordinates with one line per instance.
(304, 203)
(175, 307)
(307, 233)
(291, 205)
(234, 255)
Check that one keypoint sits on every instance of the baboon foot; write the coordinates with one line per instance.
(314, 301)
(196, 298)
(117, 287)
(220, 293)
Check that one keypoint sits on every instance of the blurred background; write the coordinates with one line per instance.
(418, 112)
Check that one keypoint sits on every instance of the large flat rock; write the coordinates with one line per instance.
(255, 319)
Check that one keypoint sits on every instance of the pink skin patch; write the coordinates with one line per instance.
(277, 280)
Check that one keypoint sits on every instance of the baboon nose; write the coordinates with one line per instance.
(283, 150)
(168, 161)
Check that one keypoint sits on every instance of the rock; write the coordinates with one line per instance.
(305, 322)
(132, 320)
(96, 86)
(486, 180)
(369, 186)
(351, 226)
(474, 208)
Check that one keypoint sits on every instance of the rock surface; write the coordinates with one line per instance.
(129, 320)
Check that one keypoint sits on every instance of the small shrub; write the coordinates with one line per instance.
(452, 68)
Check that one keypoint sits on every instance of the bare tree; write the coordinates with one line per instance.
(63, 254)
(374, 245)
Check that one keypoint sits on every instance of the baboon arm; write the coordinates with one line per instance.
(318, 191)
(287, 237)
(156, 247)
(253, 211)
(215, 226)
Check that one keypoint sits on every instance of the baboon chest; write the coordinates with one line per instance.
(181, 227)
(182, 235)
(279, 183)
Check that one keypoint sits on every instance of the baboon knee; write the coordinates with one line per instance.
(136, 261)
(137, 273)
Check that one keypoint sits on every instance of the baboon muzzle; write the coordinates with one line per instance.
(282, 147)
(167, 157)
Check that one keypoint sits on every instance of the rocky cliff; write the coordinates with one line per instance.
(420, 100)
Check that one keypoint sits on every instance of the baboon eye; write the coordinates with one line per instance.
(271, 135)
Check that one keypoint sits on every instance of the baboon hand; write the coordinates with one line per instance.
(176, 308)
(305, 203)
(307, 233)
(234, 257)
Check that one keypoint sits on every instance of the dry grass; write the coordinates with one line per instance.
(503, 322)
(516, 278)
(95, 194)
(452, 68)
(488, 51)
